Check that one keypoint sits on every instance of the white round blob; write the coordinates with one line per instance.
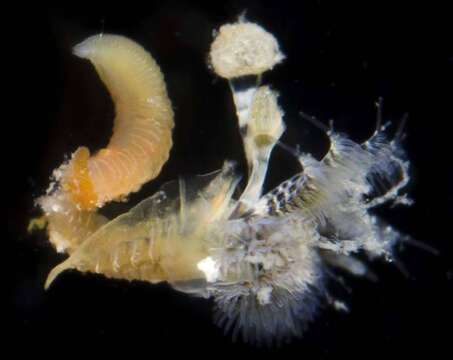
(242, 49)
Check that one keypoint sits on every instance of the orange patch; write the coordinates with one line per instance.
(78, 183)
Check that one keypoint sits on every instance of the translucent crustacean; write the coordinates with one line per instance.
(263, 258)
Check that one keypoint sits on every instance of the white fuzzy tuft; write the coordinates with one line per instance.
(242, 49)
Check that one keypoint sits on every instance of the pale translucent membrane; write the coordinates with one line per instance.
(164, 237)
(141, 138)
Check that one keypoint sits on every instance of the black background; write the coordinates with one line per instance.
(341, 56)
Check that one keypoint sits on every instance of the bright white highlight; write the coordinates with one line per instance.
(210, 269)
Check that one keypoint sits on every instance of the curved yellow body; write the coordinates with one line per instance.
(139, 146)
(141, 139)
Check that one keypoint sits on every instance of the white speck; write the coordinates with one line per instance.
(210, 269)
(264, 295)
(340, 306)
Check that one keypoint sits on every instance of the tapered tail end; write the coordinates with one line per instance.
(57, 270)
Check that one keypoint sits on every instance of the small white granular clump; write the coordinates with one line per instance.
(242, 49)
(209, 267)
(264, 295)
